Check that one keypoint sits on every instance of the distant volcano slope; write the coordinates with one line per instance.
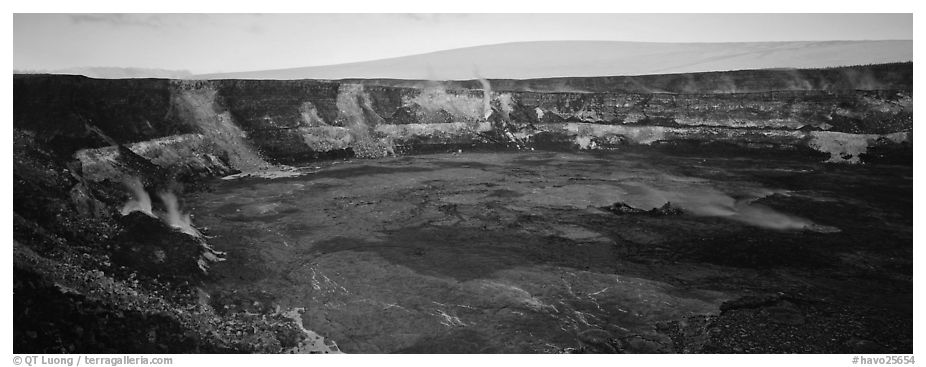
(549, 59)
(847, 78)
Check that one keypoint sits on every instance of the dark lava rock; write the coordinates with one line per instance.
(49, 319)
(620, 208)
(865, 346)
(258, 302)
(599, 341)
(792, 324)
(666, 209)
(688, 335)
(749, 302)
(152, 248)
(649, 344)
(784, 313)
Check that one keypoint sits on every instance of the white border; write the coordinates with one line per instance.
(475, 6)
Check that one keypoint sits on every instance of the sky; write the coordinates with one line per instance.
(210, 43)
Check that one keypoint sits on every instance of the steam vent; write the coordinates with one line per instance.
(755, 211)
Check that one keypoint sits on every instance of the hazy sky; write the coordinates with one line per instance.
(205, 43)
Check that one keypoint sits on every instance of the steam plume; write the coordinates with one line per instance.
(175, 218)
(486, 98)
(709, 202)
(140, 201)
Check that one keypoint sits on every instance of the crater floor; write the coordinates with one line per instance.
(518, 252)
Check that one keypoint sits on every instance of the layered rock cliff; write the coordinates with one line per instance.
(249, 125)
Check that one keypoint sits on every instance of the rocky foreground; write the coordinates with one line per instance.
(106, 260)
